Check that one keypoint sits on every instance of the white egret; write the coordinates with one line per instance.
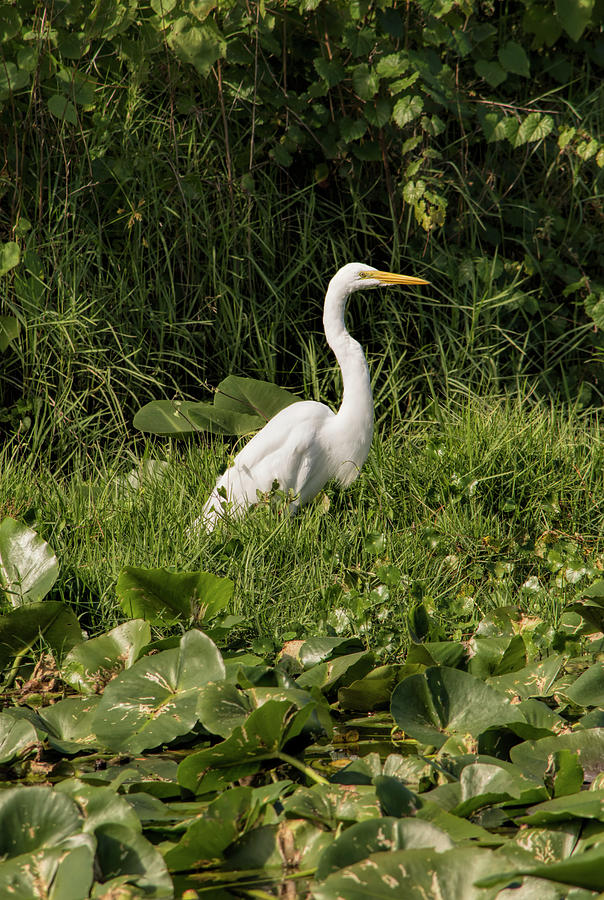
(306, 444)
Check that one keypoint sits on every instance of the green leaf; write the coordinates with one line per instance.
(51, 620)
(407, 109)
(374, 835)
(580, 805)
(155, 701)
(327, 675)
(69, 724)
(185, 417)
(17, 737)
(262, 735)
(365, 81)
(393, 65)
(10, 254)
(221, 708)
(533, 757)
(161, 596)
(162, 7)
(574, 16)
(491, 71)
(413, 873)
(586, 870)
(352, 129)
(207, 838)
(28, 567)
(34, 818)
(123, 853)
(378, 113)
(483, 784)
(331, 70)
(9, 331)
(10, 23)
(92, 664)
(514, 59)
(533, 128)
(588, 689)
(371, 692)
(536, 680)
(330, 804)
(62, 108)
(200, 45)
(443, 701)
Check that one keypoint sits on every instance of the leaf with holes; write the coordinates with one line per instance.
(155, 701)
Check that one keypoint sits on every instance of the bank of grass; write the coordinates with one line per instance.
(475, 502)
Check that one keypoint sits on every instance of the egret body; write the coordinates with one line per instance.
(306, 444)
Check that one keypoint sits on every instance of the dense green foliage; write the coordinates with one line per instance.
(474, 766)
(176, 173)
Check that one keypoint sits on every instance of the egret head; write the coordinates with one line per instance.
(357, 276)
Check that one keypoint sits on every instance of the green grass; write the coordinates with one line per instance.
(477, 503)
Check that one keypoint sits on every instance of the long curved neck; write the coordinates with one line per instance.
(357, 402)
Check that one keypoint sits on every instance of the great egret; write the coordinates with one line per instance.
(306, 444)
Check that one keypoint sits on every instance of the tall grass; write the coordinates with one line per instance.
(470, 498)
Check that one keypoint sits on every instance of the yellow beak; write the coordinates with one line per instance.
(393, 278)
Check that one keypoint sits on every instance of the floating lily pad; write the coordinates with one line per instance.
(155, 701)
(92, 664)
(376, 835)
(17, 737)
(443, 701)
(22, 628)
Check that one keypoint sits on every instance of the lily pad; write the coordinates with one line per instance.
(443, 701)
(155, 701)
(20, 629)
(376, 835)
(28, 567)
(17, 737)
(92, 664)
(160, 596)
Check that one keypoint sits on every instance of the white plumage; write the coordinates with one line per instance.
(307, 444)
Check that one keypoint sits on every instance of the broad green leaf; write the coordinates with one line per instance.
(10, 255)
(496, 655)
(588, 689)
(514, 59)
(28, 567)
(161, 596)
(393, 65)
(35, 818)
(17, 737)
(207, 838)
(186, 417)
(371, 692)
(296, 843)
(10, 23)
(341, 669)
(331, 70)
(352, 129)
(553, 843)
(580, 805)
(533, 757)
(366, 81)
(92, 664)
(533, 128)
(491, 71)
(100, 805)
(21, 629)
(221, 707)
(162, 7)
(444, 701)
(329, 804)
(483, 784)
(63, 872)
(199, 44)
(9, 331)
(378, 112)
(407, 109)
(574, 16)
(69, 724)
(584, 870)
(535, 680)
(413, 873)
(375, 835)
(62, 108)
(155, 701)
(261, 736)
(252, 397)
(124, 853)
